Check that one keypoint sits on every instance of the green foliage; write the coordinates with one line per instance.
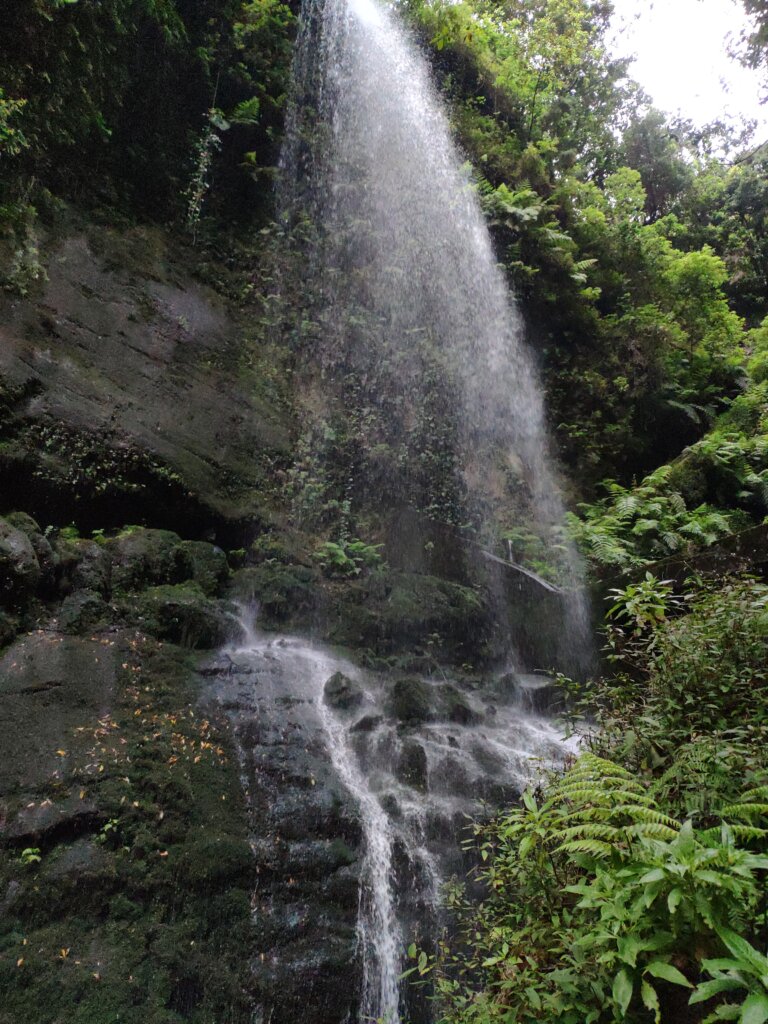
(744, 972)
(12, 140)
(205, 148)
(717, 486)
(599, 904)
(349, 557)
(30, 856)
(690, 679)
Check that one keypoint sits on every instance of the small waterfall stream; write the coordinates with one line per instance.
(410, 787)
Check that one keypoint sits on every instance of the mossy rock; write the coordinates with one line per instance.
(216, 862)
(342, 693)
(456, 707)
(391, 610)
(83, 612)
(205, 564)
(184, 615)
(411, 701)
(42, 547)
(83, 565)
(20, 571)
(143, 558)
(280, 590)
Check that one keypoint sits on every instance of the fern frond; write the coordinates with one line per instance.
(593, 847)
(744, 810)
(587, 830)
(759, 793)
(652, 830)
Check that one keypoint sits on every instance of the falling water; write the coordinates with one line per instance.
(406, 283)
(406, 291)
(276, 688)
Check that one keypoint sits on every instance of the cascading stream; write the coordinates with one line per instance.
(278, 688)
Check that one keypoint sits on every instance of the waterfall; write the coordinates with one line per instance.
(408, 325)
(407, 296)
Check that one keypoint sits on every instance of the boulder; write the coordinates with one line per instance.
(83, 565)
(367, 723)
(412, 767)
(457, 708)
(411, 701)
(82, 612)
(205, 564)
(20, 571)
(183, 615)
(144, 558)
(342, 693)
(40, 543)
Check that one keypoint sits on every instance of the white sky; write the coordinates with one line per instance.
(682, 61)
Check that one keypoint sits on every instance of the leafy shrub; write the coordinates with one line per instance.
(599, 907)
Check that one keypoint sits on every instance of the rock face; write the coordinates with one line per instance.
(305, 836)
(354, 778)
(126, 392)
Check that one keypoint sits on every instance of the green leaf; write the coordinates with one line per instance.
(650, 999)
(665, 971)
(754, 1010)
(707, 989)
(622, 990)
(674, 899)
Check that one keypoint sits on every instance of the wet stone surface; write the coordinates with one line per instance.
(359, 787)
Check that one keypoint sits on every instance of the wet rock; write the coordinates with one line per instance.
(143, 558)
(343, 887)
(411, 701)
(20, 571)
(368, 723)
(223, 664)
(457, 707)
(49, 686)
(342, 693)
(83, 565)
(505, 686)
(539, 694)
(48, 819)
(205, 564)
(83, 612)
(183, 615)
(412, 767)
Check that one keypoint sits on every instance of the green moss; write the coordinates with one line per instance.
(144, 922)
(411, 701)
(280, 590)
(183, 614)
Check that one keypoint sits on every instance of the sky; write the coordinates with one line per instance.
(682, 60)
